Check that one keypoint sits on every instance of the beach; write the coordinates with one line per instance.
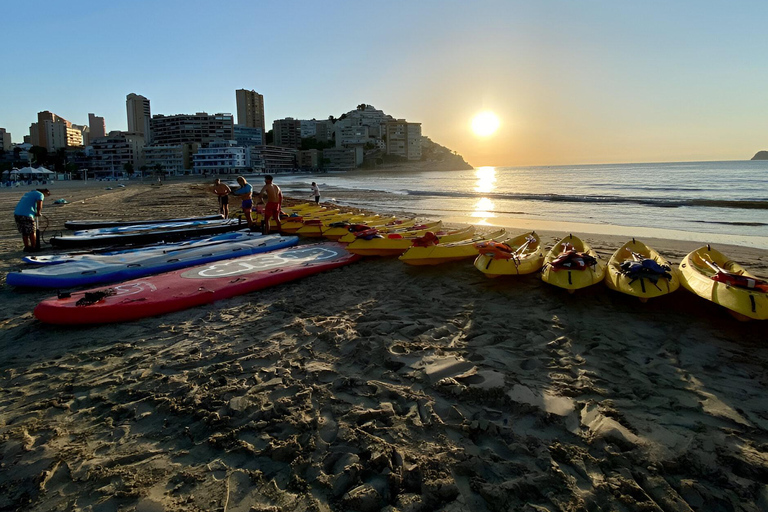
(380, 386)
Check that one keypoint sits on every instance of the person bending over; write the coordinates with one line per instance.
(29, 208)
(316, 192)
(223, 191)
(274, 202)
(246, 193)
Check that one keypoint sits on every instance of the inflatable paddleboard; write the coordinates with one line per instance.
(120, 267)
(96, 223)
(182, 289)
(144, 237)
(135, 228)
(159, 248)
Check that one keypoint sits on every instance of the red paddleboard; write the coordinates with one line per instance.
(182, 289)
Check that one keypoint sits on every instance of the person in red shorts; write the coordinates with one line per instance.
(274, 202)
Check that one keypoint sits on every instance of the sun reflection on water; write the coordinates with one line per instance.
(486, 179)
(486, 183)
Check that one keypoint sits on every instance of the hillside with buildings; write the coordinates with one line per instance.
(207, 144)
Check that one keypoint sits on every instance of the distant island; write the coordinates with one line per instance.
(761, 155)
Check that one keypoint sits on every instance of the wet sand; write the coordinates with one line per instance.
(381, 386)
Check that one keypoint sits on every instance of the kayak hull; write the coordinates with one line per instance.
(529, 258)
(696, 276)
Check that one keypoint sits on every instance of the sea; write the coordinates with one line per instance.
(710, 202)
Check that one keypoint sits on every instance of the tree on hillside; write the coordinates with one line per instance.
(361, 106)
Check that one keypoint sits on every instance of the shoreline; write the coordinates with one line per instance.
(381, 386)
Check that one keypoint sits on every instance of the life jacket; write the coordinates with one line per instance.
(740, 281)
(368, 234)
(573, 260)
(341, 224)
(497, 250)
(356, 228)
(394, 235)
(645, 269)
(428, 239)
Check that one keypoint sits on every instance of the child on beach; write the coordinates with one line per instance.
(223, 191)
(274, 202)
(29, 208)
(246, 191)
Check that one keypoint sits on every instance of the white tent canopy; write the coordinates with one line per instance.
(32, 170)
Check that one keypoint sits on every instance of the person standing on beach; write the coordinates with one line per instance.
(274, 203)
(316, 192)
(246, 193)
(223, 191)
(29, 208)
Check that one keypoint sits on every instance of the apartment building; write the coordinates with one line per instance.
(404, 139)
(351, 136)
(287, 133)
(5, 139)
(174, 159)
(273, 159)
(308, 128)
(341, 159)
(324, 131)
(201, 128)
(111, 153)
(139, 115)
(309, 159)
(53, 132)
(96, 126)
(250, 109)
(221, 157)
(247, 136)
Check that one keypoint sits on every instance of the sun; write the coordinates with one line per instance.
(485, 124)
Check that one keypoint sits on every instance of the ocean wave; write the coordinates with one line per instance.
(746, 204)
(751, 224)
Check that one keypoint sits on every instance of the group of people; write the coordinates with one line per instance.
(270, 194)
(30, 206)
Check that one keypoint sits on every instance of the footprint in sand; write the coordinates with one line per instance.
(328, 427)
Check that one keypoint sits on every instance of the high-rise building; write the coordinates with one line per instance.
(287, 133)
(5, 140)
(139, 115)
(201, 128)
(250, 109)
(53, 132)
(96, 126)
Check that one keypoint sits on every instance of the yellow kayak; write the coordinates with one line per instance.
(393, 244)
(572, 264)
(442, 253)
(315, 227)
(515, 256)
(293, 224)
(711, 275)
(332, 232)
(409, 228)
(640, 271)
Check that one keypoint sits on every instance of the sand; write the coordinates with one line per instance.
(381, 386)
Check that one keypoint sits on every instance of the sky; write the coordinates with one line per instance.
(571, 81)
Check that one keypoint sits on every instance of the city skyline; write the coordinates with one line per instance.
(569, 83)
